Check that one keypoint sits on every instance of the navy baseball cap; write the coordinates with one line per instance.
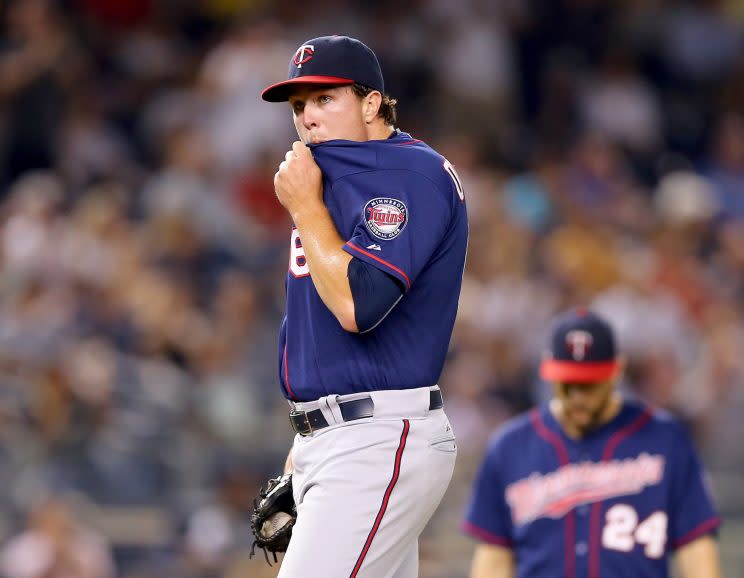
(582, 350)
(329, 60)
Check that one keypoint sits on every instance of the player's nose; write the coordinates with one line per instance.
(309, 117)
(576, 391)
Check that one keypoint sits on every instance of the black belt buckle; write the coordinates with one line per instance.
(300, 422)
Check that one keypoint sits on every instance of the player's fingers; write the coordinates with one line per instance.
(289, 156)
(300, 149)
(280, 173)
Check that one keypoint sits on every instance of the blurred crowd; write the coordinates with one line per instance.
(143, 254)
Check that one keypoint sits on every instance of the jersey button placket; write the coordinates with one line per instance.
(582, 511)
(581, 454)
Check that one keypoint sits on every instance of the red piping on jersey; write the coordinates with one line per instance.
(594, 532)
(701, 530)
(385, 499)
(408, 142)
(376, 258)
(570, 520)
(286, 375)
(485, 535)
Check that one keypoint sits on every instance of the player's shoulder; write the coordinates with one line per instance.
(514, 432)
(402, 147)
(658, 422)
(417, 167)
(404, 152)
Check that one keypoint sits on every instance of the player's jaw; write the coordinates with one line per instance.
(583, 407)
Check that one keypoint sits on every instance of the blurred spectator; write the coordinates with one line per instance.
(56, 545)
(38, 64)
(621, 105)
(700, 43)
(233, 73)
(217, 531)
(686, 198)
(256, 198)
(116, 13)
(726, 169)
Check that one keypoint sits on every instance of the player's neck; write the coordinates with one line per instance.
(608, 412)
(378, 130)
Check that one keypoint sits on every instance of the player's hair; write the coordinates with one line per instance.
(387, 108)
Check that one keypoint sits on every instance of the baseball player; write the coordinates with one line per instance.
(376, 259)
(590, 485)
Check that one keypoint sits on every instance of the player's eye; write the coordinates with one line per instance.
(324, 99)
(298, 106)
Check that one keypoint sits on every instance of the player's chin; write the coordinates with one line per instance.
(580, 417)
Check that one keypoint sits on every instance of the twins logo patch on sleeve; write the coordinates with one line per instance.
(385, 218)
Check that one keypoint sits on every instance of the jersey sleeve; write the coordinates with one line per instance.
(399, 228)
(692, 513)
(488, 516)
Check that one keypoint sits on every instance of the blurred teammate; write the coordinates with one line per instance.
(376, 261)
(591, 485)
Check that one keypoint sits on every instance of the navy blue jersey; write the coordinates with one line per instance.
(400, 207)
(620, 499)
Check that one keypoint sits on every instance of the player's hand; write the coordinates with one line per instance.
(298, 182)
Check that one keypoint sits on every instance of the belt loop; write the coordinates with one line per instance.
(330, 406)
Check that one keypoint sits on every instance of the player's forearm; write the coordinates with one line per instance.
(288, 465)
(699, 559)
(327, 261)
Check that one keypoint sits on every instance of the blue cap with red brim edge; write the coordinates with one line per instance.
(582, 350)
(329, 60)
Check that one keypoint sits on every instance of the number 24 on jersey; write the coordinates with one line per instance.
(623, 531)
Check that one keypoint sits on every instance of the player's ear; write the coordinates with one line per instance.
(371, 106)
(621, 363)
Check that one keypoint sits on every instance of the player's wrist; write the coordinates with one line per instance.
(309, 213)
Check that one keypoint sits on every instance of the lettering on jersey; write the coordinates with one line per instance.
(385, 218)
(304, 54)
(579, 342)
(554, 494)
(298, 265)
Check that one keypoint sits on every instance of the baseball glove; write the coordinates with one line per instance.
(274, 515)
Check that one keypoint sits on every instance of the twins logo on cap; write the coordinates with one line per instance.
(579, 342)
(385, 218)
(304, 54)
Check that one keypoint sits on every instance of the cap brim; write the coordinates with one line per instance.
(574, 372)
(280, 92)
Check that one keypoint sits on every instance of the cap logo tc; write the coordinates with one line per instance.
(304, 54)
(578, 342)
(385, 218)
